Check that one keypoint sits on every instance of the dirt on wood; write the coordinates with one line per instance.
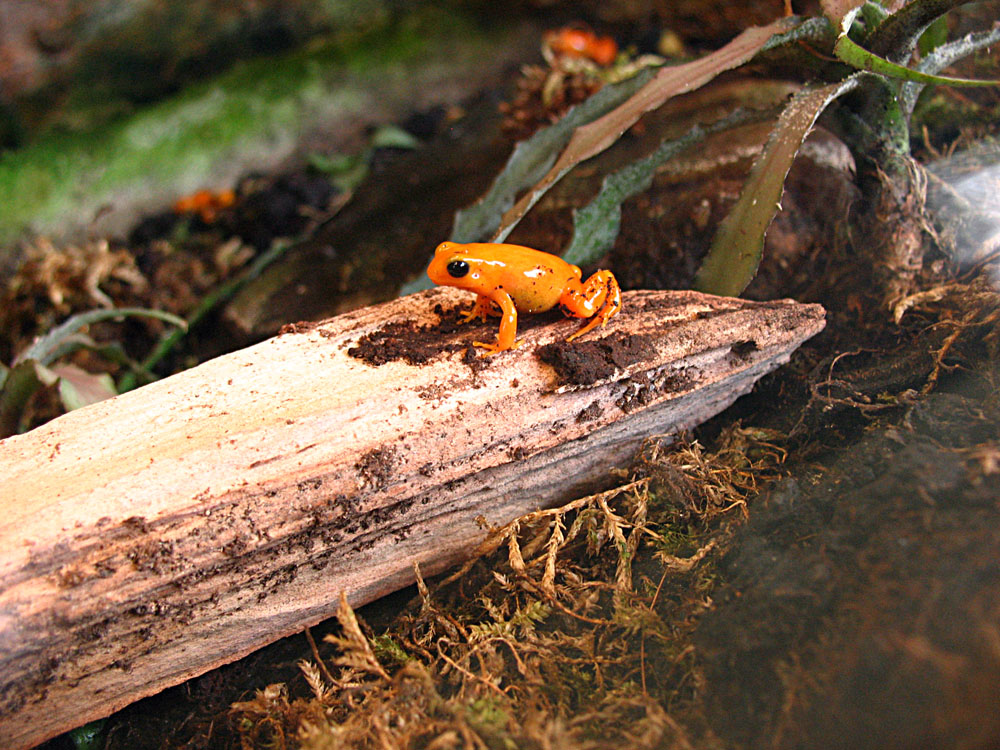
(815, 567)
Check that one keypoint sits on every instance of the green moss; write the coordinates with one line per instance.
(256, 109)
(388, 650)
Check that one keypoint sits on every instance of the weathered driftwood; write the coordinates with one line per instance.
(149, 538)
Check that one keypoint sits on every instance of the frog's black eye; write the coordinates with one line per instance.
(457, 269)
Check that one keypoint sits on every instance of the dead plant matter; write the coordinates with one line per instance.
(566, 628)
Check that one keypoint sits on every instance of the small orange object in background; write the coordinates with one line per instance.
(575, 42)
(205, 203)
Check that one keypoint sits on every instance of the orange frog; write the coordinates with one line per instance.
(576, 42)
(519, 279)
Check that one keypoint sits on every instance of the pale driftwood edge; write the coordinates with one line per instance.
(149, 538)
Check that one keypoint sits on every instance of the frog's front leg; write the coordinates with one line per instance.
(480, 310)
(508, 324)
(598, 298)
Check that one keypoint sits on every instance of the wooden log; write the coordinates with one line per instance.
(149, 538)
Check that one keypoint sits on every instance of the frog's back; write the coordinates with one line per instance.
(534, 279)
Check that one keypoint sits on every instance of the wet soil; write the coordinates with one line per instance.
(862, 596)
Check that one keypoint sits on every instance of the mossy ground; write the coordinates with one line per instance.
(213, 132)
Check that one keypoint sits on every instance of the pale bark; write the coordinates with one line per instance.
(149, 538)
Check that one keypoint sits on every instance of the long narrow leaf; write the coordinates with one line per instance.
(594, 138)
(533, 157)
(49, 346)
(732, 260)
(21, 382)
(596, 225)
(818, 31)
(896, 37)
(854, 54)
(942, 57)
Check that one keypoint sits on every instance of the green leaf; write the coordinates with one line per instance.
(933, 37)
(873, 15)
(854, 54)
(393, 136)
(54, 343)
(89, 736)
(732, 260)
(21, 382)
(595, 137)
(332, 164)
(595, 226)
(943, 56)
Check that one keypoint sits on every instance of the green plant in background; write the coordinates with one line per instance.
(89, 736)
(858, 81)
(870, 108)
(37, 366)
(347, 171)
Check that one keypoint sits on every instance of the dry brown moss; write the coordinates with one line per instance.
(567, 629)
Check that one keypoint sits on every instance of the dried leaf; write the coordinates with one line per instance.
(357, 652)
(315, 680)
(595, 226)
(615, 525)
(514, 551)
(77, 387)
(548, 583)
(590, 140)
(835, 10)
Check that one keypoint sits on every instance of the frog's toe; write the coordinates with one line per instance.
(492, 349)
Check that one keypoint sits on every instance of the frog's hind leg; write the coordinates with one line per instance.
(600, 298)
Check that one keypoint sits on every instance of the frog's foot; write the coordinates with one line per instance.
(603, 289)
(492, 349)
(480, 310)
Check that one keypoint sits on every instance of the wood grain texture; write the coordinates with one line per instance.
(149, 538)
